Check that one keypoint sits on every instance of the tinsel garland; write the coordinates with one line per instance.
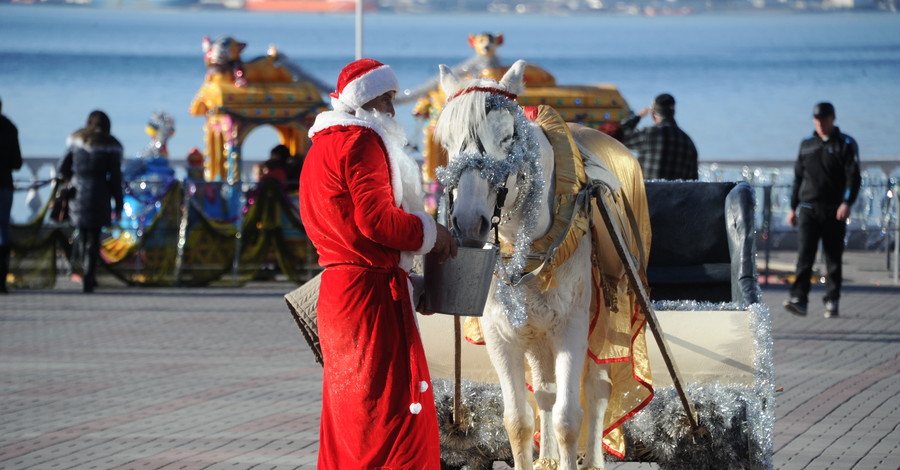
(736, 421)
(523, 160)
(478, 437)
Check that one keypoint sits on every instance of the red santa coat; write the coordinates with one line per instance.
(377, 404)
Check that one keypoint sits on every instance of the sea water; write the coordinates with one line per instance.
(745, 84)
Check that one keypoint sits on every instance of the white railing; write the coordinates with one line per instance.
(873, 224)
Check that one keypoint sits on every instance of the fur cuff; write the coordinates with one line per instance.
(429, 228)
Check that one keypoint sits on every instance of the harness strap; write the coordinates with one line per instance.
(582, 199)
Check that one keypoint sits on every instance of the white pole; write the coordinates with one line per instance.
(896, 200)
(359, 29)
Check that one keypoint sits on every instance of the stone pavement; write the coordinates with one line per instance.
(220, 378)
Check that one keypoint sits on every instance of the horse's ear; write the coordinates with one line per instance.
(512, 79)
(449, 82)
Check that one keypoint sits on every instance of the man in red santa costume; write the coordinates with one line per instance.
(361, 204)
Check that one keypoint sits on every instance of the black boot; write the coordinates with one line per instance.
(4, 267)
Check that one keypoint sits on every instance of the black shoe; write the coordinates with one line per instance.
(795, 306)
(831, 309)
(87, 288)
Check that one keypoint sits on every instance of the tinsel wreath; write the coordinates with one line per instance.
(522, 160)
(479, 437)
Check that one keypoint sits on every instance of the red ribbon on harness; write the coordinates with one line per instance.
(491, 90)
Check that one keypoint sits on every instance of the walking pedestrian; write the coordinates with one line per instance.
(93, 166)
(826, 184)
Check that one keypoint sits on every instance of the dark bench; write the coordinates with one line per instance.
(703, 245)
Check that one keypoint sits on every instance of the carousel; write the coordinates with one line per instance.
(238, 97)
(599, 106)
(210, 227)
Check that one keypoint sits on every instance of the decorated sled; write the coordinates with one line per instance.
(724, 370)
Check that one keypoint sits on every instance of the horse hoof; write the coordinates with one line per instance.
(546, 464)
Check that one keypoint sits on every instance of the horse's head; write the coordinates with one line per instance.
(490, 146)
(485, 44)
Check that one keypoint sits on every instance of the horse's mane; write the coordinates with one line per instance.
(462, 116)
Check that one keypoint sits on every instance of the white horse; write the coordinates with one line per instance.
(492, 149)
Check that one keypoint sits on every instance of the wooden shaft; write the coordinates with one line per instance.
(643, 297)
(457, 370)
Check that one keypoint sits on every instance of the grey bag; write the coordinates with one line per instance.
(302, 304)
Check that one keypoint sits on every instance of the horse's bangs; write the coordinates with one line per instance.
(460, 119)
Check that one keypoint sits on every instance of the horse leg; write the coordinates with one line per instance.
(567, 412)
(509, 362)
(597, 387)
(543, 381)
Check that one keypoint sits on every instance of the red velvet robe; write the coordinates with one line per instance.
(375, 413)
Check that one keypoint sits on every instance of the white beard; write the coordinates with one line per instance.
(394, 136)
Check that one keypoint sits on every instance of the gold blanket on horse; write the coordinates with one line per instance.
(617, 327)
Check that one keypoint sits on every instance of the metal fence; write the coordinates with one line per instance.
(873, 224)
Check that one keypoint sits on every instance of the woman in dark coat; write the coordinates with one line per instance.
(93, 165)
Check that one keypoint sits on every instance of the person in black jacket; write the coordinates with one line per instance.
(93, 164)
(10, 160)
(826, 184)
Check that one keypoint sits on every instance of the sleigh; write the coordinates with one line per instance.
(713, 405)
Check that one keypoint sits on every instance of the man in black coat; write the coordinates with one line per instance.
(10, 160)
(826, 184)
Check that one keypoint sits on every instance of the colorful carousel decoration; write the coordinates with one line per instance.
(600, 106)
(210, 227)
(238, 97)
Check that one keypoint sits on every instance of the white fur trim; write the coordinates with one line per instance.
(429, 229)
(338, 118)
(423, 386)
(415, 408)
(369, 86)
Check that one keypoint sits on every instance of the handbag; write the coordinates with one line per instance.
(59, 207)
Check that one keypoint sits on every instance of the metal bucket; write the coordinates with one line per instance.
(459, 286)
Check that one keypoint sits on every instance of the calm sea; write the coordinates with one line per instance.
(745, 83)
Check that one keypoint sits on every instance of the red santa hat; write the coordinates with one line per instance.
(362, 81)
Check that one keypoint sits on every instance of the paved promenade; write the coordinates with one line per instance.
(220, 378)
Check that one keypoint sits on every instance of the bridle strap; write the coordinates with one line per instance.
(491, 90)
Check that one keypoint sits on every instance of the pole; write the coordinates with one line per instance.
(457, 371)
(896, 235)
(359, 29)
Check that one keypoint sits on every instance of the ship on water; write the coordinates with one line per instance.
(312, 6)
(307, 6)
